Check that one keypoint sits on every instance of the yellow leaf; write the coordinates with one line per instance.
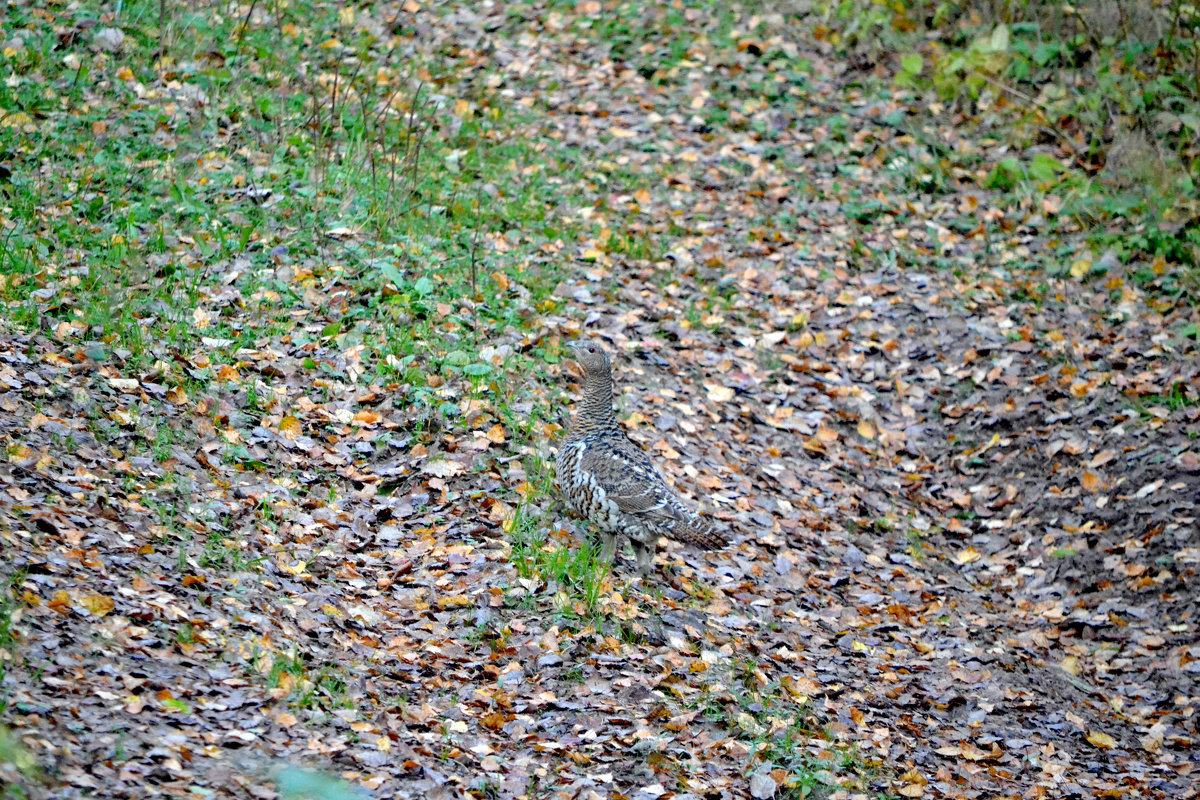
(290, 427)
(297, 568)
(496, 434)
(1081, 268)
(15, 119)
(968, 555)
(866, 429)
(462, 108)
(1101, 740)
(634, 419)
(98, 604)
(19, 452)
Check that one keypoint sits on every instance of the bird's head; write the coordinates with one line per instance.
(590, 356)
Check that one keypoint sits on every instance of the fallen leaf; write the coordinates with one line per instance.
(443, 468)
(718, 393)
(968, 555)
(98, 604)
(762, 784)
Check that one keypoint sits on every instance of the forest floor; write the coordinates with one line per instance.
(284, 496)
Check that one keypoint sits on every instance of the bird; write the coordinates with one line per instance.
(609, 480)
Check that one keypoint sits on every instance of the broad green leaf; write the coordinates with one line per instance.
(457, 358)
(1045, 168)
(392, 274)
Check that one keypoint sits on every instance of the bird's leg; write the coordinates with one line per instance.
(608, 547)
(645, 556)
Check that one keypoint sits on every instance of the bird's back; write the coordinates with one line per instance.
(614, 483)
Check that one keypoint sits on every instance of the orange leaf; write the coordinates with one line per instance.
(367, 418)
(61, 602)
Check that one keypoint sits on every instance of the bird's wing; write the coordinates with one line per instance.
(629, 479)
(626, 476)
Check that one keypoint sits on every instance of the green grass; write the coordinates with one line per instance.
(8, 638)
(325, 688)
(154, 207)
(575, 570)
(1116, 172)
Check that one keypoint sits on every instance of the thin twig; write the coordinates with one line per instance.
(246, 21)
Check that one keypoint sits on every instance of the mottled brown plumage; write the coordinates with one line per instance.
(611, 481)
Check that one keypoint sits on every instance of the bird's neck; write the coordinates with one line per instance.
(596, 408)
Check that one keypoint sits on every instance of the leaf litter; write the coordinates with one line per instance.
(963, 498)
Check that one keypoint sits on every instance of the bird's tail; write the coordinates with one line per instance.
(698, 530)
